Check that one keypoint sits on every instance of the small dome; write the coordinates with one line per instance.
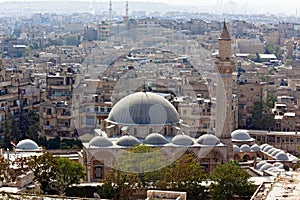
(144, 108)
(27, 144)
(100, 141)
(292, 157)
(271, 151)
(258, 159)
(155, 139)
(275, 152)
(267, 149)
(255, 148)
(236, 148)
(260, 164)
(245, 148)
(277, 164)
(264, 146)
(128, 141)
(208, 140)
(266, 166)
(281, 156)
(241, 136)
(182, 140)
(274, 169)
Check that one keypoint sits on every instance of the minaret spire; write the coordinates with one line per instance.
(110, 11)
(126, 12)
(224, 44)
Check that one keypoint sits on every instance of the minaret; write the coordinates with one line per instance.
(126, 11)
(110, 11)
(224, 113)
(125, 18)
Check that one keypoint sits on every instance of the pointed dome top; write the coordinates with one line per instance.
(224, 34)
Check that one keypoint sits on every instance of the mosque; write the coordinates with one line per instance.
(149, 119)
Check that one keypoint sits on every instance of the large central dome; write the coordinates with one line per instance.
(144, 108)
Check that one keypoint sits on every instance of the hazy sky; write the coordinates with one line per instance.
(264, 6)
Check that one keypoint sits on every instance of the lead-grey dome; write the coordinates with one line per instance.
(236, 148)
(100, 141)
(241, 136)
(255, 148)
(155, 139)
(275, 152)
(145, 108)
(266, 149)
(27, 144)
(266, 166)
(281, 156)
(277, 164)
(208, 140)
(128, 141)
(183, 140)
(260, 164)
(245, 148)
(263, 146)
(270, 151)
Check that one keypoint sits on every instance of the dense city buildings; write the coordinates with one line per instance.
(181, 82)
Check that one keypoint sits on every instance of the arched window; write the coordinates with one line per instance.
(135, 131)
(150, 130)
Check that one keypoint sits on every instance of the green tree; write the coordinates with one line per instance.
(274, 49)
(229, 181)
(254, 57)
(119, 185)
(262, 119)
(67, 172)
(185, 174)
(72, 40)
(55, 174)
(142, 160)
(145, 167)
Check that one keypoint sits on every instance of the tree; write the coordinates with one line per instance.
(254, 57)
(4, 167)
(262, 118)
(229, 181)
(26, 128)
(145, 167)
(55, 174)
(185, 174)
(119, 185)
(274, 49)
(142, 160)
(67, 172)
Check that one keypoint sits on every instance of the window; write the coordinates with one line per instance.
(278, 139)
(150, 130)
(135, 131)
(90, 121)
(98, 172)
(49, 112)
(102, 109)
